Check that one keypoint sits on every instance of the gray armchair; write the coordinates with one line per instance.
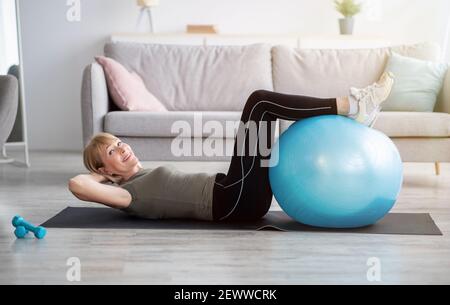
(9, 101)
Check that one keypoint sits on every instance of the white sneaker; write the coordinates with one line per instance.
(370, 99)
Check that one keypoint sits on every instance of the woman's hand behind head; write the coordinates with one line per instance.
(104, 178)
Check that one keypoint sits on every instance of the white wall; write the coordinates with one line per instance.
(8, 36)
(56, 51)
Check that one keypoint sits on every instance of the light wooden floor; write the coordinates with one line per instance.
(212, 257)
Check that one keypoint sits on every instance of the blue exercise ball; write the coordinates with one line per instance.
(333, 172)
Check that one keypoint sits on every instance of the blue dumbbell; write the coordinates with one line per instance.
(23, 227)
(20, 232)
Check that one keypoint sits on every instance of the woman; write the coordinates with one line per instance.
(244, 193)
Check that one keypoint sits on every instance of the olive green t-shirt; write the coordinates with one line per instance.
(165, 192)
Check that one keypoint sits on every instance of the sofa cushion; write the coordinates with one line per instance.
(417, 84)
(443, 101)
(414, 124)
(331, 72)
(127, 89)
(160, 124)
(198, 78)
(407, 124)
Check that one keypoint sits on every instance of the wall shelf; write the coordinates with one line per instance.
(292, 40)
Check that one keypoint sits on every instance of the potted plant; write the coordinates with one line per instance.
(348, 9)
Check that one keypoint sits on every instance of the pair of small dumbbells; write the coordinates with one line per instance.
(23, 227)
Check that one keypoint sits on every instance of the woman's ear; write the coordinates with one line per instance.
(103, 171)
(109, 176)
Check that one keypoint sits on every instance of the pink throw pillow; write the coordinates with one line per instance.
(127, 89)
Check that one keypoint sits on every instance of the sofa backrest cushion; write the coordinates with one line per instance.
(190, 78)
(331, 72)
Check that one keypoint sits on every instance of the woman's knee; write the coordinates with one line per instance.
(254, 98)
(259, 95)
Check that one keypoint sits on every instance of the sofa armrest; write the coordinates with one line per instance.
(94, 101)
(9, 99)
(443, 104)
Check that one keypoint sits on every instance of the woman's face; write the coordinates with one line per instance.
(118, 158)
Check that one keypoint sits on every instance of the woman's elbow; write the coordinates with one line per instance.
(75, 185)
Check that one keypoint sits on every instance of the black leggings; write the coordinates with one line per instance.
(245, 192)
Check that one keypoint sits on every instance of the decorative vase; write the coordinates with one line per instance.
(346, 25)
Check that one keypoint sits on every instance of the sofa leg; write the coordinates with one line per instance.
(437, 167)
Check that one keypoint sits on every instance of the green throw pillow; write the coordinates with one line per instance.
(417, 84)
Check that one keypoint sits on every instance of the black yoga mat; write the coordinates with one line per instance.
(106, 218)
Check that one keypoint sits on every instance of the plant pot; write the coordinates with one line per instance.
(346, 25)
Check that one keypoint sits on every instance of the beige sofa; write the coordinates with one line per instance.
(212, 83)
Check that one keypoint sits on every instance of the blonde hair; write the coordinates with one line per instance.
(92, 153)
